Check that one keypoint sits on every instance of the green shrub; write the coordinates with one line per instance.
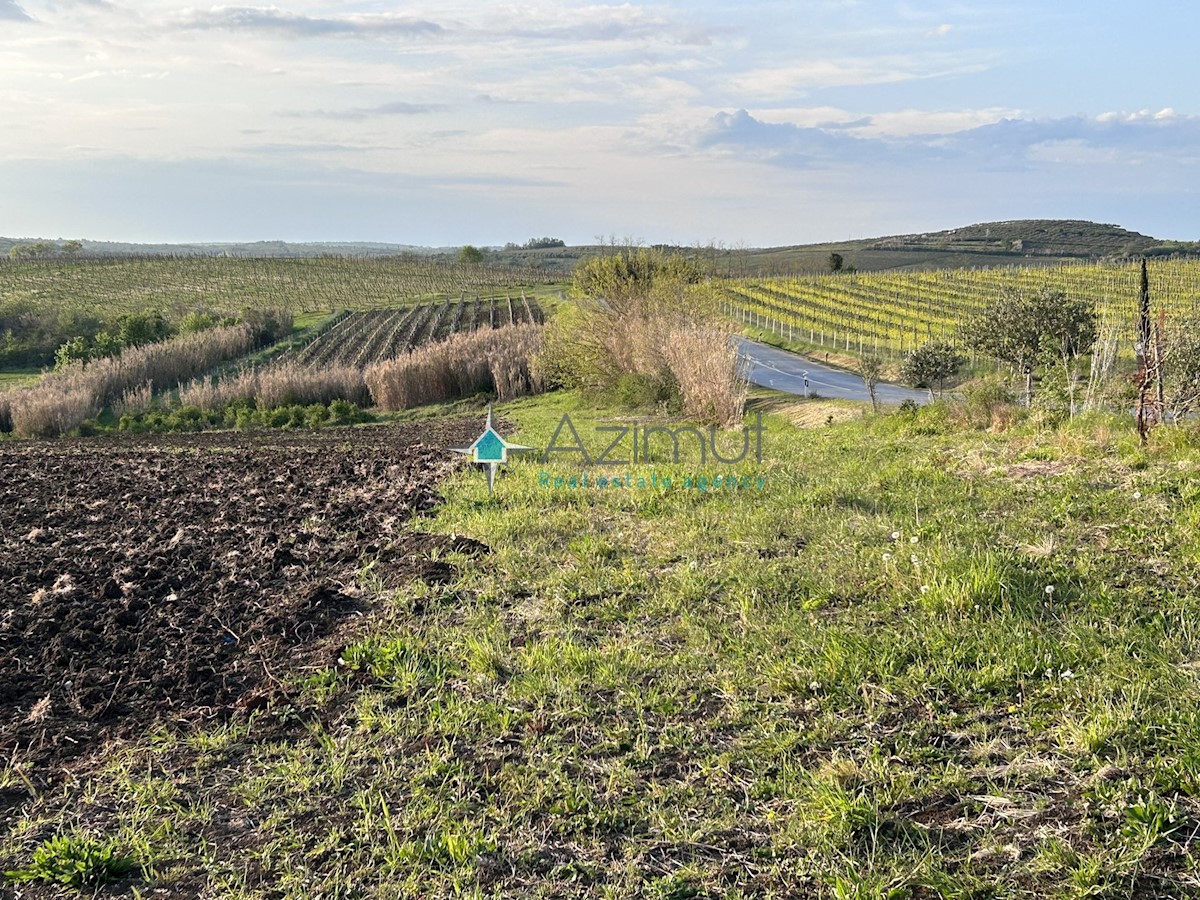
(990, 404)
(198, 321)
(632, 270)
(74, 862)
(637, 391)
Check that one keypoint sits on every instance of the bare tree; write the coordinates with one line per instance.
(871, 370)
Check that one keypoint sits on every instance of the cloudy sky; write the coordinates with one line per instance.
(761, 123)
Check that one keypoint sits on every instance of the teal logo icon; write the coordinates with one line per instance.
(490, 450)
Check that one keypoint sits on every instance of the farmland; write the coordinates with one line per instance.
(44, 303)
(235, 551)
(180, 284)
(893, 312)
(922, 661)
(358, 339)
(947, 651)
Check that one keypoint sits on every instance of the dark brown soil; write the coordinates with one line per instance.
(181, 578)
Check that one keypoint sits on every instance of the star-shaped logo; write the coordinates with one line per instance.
(490, 449)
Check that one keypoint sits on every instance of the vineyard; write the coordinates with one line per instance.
(361, 338)
(892, 313)
(175, 286)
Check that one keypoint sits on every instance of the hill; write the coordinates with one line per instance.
(1022, 241)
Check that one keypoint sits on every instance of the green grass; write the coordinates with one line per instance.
(854, 683)
(14, 378)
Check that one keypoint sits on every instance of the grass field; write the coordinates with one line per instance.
(921, 661)
(18, 378)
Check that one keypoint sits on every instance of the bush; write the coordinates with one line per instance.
(989, 404)
(242, 414)
(704, 361)
(653, 330)
(642, 391)
(630, 271)
(74, 862)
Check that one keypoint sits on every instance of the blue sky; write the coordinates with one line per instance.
(760, 124)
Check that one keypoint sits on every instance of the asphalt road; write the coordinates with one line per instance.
(784, 371)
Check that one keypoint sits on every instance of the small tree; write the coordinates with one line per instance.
(836, 261)
(871, 370)
(1020, 328)
(1179, 369)
(931, 365)
(470, 254)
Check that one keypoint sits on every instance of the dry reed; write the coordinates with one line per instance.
(496, 360)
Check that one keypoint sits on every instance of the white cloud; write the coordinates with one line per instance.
(1003, 142)
(272, 19)
(796, 79)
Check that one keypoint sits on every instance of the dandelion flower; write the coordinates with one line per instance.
(895, 535)
(913, 559)
(1137, 495)
(913, 539)
(887, 557)
(924, 589)
(1050, 590)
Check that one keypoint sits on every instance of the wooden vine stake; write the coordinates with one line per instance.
(1149, 364)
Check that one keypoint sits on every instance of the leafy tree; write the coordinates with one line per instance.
(72, 249)
(630, 271)
(74, 350)
(1180, 368)
(36, 250)
(1023, 329)
(931, 365)
(871, 370)
(137, 329)
(836, 261)
(470, 254)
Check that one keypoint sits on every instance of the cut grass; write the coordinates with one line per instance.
(853, 683)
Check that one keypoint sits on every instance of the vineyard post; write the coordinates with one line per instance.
(1143, 349)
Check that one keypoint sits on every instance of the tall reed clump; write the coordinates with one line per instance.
(51, 408)
(494, 360)
(5, 414)
(711, 378)
(280, 385)
(63, 400)
(645, 331)
(134, 399)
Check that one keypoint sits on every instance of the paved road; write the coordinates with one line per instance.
(784, 371)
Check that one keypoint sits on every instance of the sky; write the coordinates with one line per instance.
(439, 124)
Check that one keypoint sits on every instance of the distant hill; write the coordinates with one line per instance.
(1019, 242)
(1022, 241)
(258, 249)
